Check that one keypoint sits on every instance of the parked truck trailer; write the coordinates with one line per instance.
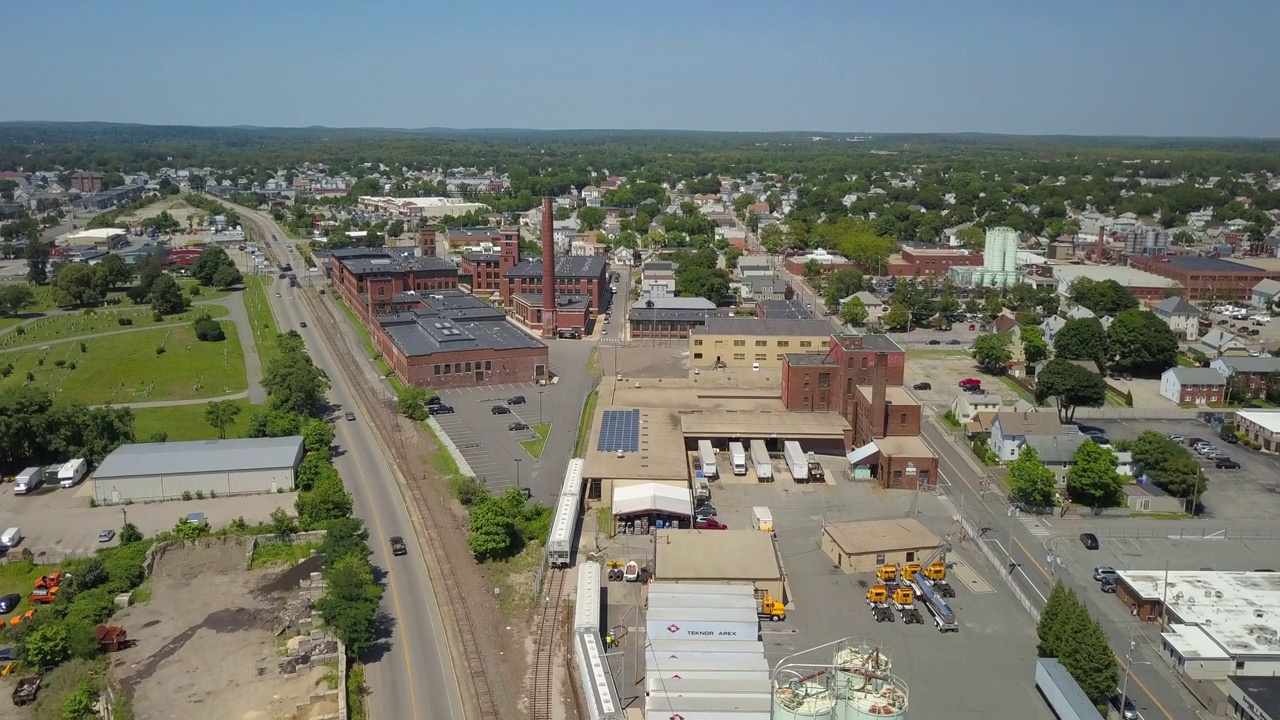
(760, 459)
(738, 458)
(797, 460)
(707, 456)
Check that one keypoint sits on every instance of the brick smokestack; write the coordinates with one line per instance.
(879, 385)
(1100, 254)
(548, 268)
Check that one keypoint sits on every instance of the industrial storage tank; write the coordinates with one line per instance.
(881, 696)
(811, 700)
(864, 656)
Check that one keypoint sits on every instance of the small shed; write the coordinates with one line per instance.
(111, 638)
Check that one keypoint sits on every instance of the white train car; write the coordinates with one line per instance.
(564, 524)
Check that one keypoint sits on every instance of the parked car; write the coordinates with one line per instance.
(1230, 438)
(709, 524)
(1178, 439)
(1108, 585)
(705, 511)
(953, 341)
(1192, 442)
(970, 381)
(9, 603)
(934, 342)
(922, 386)
(440, 409)
(434, 400)
(1227, 464)
(516, 400)
(513, 427)
(1090, 541)
(106, 536)
(500, 410)
(302, 323)
(1126, 708)
(1102, 572)
(397, 546)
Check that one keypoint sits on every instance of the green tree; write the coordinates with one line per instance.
(14, 297)
(1103, 297)
(293, 383)
(1086, 654)
(773, 238)
(709, 283)
(326, 501)
(973, 237)
(79, 284)
(221, 414)
(37, 255)
(731, 257)
(1082, 339)
(207, 265)
(208, 330)
(1092, 479)
(492, 531)
(1034, 346)
(283, 525)
(166, 296)
(317, 435)
(840, 285)
(45, 647)
(312, 467)
(1071, 386)
(395, 229)
(1030, 481)
(78, 703)
(129, 533)
(1050, 628)
(853, 312)
(89, 575)
(274, 423)
(115, 271)
(1168, 464)
(590, 218)
(190, 530)
(344, 537)
(897, 319)
(1142, 343)
(226, 276)
(993, 352)
(412, 402)
(350, 603)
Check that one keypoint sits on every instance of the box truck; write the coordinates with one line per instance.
(760, 458)
(738, 458)
(762, 519)
(29, 480)
(797, 460)
(72, 472)
(707, 456)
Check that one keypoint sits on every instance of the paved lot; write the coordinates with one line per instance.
(943, 370)
(483, 438)
(1249, 493)
(60, 523)
(1146, 393)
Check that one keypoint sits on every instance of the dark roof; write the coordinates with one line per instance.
(813, 358)
(479, 257)
(450, 322)
(567, 266)
(1177, 306)
(381, 262)
(473, 232)
(660, 265)
(875, 343)
(1213, 265)
(451, 305)
(784, 309)
(1264, 691)
(562, 301)
(700, 316)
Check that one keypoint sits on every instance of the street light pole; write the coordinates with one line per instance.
(517, 472)
(1128, 660)
(540, 407)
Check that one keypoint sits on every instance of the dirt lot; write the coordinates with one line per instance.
(205, 639)
(180, 211)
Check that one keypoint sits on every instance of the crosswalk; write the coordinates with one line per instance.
(1035, 525)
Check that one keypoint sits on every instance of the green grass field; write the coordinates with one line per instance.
(260, 317)
(186, 422)
(20, 577)
(60, 327)
(535, 447)
(125, 368)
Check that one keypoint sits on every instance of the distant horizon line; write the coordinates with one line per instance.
(807, 133)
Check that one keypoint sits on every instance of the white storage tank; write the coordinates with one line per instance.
(875, 697)
(803, 701)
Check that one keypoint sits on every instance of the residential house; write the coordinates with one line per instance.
(876, 308)
(1182, 317)
(976, 411)
(1193, 386)
(754, 265)
(1010, 430)
(1251, 374)
(1057, 452)
(1219, 343)
(1051, 326)
(1264, 294)
(1143, 497)
(1005, 322)
(1079, 312)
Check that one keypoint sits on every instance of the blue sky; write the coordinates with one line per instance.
(1085, 67)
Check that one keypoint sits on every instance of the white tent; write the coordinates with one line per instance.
(652, 498)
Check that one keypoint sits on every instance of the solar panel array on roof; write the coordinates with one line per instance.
(619, 430)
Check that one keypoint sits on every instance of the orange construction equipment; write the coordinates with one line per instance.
(904, 597)
(43, 596)
(49, 581)
(910, 570)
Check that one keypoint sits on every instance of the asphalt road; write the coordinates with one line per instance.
(414, 677)
(1021, 540)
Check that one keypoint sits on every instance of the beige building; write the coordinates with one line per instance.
(725, 557)
(857, 547)
(748, 341)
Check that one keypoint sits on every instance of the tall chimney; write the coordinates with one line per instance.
(548, 269)
(879, 382)
(1100, 255)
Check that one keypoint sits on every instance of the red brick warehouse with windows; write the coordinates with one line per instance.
(375, 282)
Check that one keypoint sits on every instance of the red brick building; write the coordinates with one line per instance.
(371, 281)
(1206, 278)
(451, 339)
(581, 282)
(455, 239)
(860, 377)
(930, 262)
(484, 271)
(88, 182)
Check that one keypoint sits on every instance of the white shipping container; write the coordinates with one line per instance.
(699, 679)
(715, 662)
(586, 609)
(672, 588)
(706, 646)
(663, 601)
(738, 458)
(704, 629)
(711, 688)
(797, 460)
(724, 707)
(760, 458)
(707, 456)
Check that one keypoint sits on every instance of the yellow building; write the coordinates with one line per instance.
(747, 342)
(856, 547)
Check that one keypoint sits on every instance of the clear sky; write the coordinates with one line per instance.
(1085, 67)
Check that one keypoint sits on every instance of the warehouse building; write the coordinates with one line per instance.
(725, 557)
(754, 342)
(863, 546)
(164, 471)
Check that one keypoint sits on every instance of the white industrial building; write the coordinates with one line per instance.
(164, 471)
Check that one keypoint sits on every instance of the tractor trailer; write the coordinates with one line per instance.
(760, 458)
(797, 461)
(707, 456)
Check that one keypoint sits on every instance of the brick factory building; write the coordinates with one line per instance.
(88, 182)
(484, 270)
(555, 292)
(371, 281)
(930, 262)
(450, 339)
(1207, 278)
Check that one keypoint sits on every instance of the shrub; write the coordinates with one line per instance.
(7, 370)
(186, 494)
(195, 290)
(39, 362)
(209, 330)
(124, 321)
(157, 316)
(71, 365)
(59, 363)
(160, 350)
(84, 347)
(31, 377)
(199, 494)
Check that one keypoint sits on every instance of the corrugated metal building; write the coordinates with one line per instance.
(164, 471)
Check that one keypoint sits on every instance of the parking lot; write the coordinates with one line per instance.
(59, 523)
(1251, 492)
(485, 441)
(943, 370)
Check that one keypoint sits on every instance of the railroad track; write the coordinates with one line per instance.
(542, 698)
(385, 422)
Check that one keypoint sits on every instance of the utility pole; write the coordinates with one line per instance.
(1128, 661)
(517, 472)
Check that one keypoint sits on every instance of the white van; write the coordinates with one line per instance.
(72, 472)
(29, 480)
(11, 537)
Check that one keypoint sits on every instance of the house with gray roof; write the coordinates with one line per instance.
(1050, 327)
(1219, 343)
(1010, 430)
(1264, 294)
(1193, 386)
(1249, 376)
(1182, 317)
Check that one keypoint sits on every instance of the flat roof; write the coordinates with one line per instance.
(1126, 276)
(716, 555)
(574, 266)
(786, 309)
(750, 326)
(762, 424)
(393, 262)
(1268, 420)
(1209, 264)
(873, 537)
(96, 234)
(1233, 608)
(431, 336)
(1263, 690)
(1193, 643)
(661, 455)
(907, 446)
(200, 456)
(894, 394)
